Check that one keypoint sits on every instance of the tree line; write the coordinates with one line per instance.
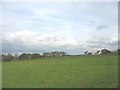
(23, 56)
(33, 56)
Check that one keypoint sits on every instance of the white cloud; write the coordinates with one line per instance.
(35, 39)
(96, 43)
(27, 40)
(60, 25)
(23, 36)
(45, 12)
(60, 0)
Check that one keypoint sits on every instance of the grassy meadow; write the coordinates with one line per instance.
(99, 71)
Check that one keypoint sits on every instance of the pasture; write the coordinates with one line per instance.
(99, 71)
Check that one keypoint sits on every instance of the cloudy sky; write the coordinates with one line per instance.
(72, 27)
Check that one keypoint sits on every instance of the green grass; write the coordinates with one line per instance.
(63, 72)
(0, 74)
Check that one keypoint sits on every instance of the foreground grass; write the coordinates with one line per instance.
(0, 74)
(64, 72)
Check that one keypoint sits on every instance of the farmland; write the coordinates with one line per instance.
(97, 71)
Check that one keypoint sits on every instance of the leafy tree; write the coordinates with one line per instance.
(24, 56)
(118, 51)
(105, 51)
(8, 57)
(85, 52)
(35, 55)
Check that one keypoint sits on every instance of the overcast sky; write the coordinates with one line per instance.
(62, 26)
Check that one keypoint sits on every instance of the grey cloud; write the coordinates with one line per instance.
(98, 43)
(8, 47)
(101, 27)
(27, 41)
(92, 21)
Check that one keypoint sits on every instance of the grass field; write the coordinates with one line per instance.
(62, 72)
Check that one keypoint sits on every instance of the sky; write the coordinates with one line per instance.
(72, 27)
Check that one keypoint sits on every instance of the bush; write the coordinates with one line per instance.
(8, 57)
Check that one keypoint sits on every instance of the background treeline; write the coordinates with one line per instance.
(24, 56)
(10, 57)
(27, 56)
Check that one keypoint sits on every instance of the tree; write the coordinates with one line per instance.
(8, 57)
(118, 51)
(24, 56)
(35, 55)
(16, 56)
(63, 53)
(105, 51)
(85, 52)
(89, 53)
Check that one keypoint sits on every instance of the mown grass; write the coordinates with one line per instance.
(62, 72)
